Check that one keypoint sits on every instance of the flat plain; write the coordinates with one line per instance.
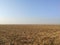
(29, 34)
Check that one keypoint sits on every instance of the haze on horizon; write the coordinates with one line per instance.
(29, 11)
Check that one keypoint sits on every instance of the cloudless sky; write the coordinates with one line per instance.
(29, 11)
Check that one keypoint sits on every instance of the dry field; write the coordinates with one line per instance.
(29, 34)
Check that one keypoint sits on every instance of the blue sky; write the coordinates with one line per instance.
(29, 11)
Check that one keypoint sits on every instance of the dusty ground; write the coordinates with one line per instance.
(29, 34)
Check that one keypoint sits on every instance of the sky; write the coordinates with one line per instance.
(29, 11)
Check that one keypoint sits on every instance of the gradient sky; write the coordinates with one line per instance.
(29, 11)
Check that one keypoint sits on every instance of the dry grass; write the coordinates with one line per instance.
(29, 34)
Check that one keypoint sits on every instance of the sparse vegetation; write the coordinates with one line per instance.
(29, 34)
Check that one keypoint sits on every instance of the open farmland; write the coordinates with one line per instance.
(29, 34)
